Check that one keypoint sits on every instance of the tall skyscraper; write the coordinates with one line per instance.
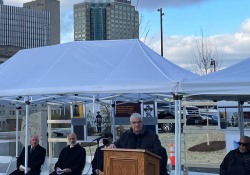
(21, 28)
(105, 20)
(52, 6)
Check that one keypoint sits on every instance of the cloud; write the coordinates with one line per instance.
(154, 4)
(231, 48)
(246, 26)
(67, 27)
(18, 3)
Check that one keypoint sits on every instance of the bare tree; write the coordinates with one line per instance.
(144, 27)
(205, 58)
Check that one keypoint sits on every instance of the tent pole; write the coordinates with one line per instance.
(86, 123)
(113, 120)
(141, 106)
(177, 135)
(71, 115)
(27, 103)
(156, 115)
(17, 123)
(49, 135)
(240, 118)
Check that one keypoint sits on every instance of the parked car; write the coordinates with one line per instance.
(194, 120)
(166, 127)
(212, 119)
(192, 117)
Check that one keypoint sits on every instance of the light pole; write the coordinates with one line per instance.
(212, 63)
(161, 14)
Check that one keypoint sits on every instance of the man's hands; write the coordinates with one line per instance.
(22, 168)
(111, 146)
(65, 170)
(98, 172)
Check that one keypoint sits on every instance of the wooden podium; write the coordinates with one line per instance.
(130, 162)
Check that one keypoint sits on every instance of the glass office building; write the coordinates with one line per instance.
(23, 28)
(105, 20)
(52, 6)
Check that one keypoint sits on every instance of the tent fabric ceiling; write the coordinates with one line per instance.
(90, 67)
(231, 83)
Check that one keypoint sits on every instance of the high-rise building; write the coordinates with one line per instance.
(105, 20)
(21, 28)
(52, 6)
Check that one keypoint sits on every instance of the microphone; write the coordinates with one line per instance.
(98, 138)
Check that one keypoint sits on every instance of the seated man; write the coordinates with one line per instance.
(237, 161)
(97, 162)
(72, 158)
(36, 157)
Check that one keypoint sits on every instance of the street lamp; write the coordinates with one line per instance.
(212, 63)
(161, 14)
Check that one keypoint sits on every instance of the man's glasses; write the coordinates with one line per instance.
(243, 144)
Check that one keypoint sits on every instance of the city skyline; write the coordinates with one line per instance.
(226, 23)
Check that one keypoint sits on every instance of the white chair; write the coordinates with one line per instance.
(5, 162)
(45, 168)
(88, 168)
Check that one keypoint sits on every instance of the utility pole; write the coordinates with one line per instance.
(161, 14)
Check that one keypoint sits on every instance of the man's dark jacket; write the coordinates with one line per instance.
(236, 163)
(73, 158)
(35, 159)
(147, 140)
(97, 162)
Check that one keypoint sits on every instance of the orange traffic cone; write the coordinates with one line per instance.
(172, 155)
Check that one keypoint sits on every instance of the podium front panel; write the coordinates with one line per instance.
(130, 163)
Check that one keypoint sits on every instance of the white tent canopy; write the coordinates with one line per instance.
(230, 83)
(119, 66)
(99, 68)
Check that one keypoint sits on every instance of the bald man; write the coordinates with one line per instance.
(72, 158)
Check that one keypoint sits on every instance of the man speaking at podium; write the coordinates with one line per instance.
(139, 137)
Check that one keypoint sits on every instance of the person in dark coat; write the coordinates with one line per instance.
(36, 157)
(72, 158)
(237, 162)
(98, 120)
(138, 137)
(97, 162)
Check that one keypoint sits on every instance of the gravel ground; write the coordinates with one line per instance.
(213, 157)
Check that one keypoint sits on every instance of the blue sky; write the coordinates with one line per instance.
(214, 16)
(225, 22)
